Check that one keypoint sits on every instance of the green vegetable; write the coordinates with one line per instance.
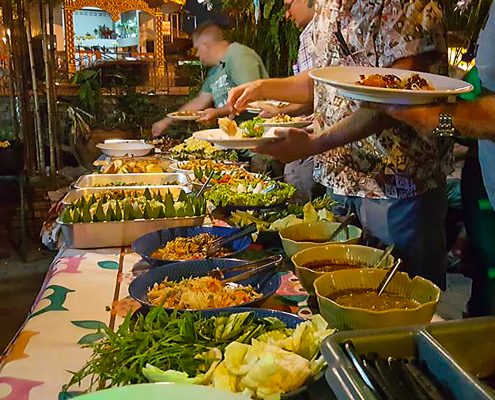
(273, 363)
(119, 205)
(249, 194)
(290, 215)
(253, 128)
(186, 342)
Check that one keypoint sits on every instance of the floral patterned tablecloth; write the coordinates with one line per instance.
(82, 291)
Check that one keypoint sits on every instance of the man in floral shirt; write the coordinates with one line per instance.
(393, 179)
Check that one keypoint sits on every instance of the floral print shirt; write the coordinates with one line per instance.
(397, 163)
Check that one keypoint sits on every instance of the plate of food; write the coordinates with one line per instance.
(126, 148)
(184, 115)
(390, 85)
(247, 195)
(188, 285)
(286, 121)
(259, 352)
(192, 149)
(186, 243)
(248, 135)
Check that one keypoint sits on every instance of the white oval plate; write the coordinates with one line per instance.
(345, 78)
(122, 149)
(221, 139)
(173, 115)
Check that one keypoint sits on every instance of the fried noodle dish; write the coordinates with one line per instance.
(188, 248)
(414, 82)
(199, 294)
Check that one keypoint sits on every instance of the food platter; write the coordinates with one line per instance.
(133, 180)
(184, 115)
(127, 148)
(345, 80)
(290, 122)
(223, 140)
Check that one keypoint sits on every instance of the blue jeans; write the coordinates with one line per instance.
(416, 226)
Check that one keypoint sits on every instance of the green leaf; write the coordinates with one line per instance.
(147, 194)
(118, 212)
(148, 212)
(91, 338)
(76, 216)
(66, 216)
(137, 213)
(189, 209)
(108, 264)
(99, 215)
(169, 206)
(180, 212)
(110, 213)
(128, 211)
(89, 324)
(182, 196)
(86, 215)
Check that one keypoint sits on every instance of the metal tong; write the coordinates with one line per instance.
(203, 188)
(253, 268)
(217, 244)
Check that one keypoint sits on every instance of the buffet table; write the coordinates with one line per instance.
(83, 290)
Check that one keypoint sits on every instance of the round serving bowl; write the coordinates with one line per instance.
(265, 283)
(364, 256)
(315, 234)
(148, 243)
(423, 291)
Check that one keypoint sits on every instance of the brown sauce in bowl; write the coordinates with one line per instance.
(332, 265)
(312, 240)
(368, 299)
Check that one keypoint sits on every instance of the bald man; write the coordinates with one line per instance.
(232, 64)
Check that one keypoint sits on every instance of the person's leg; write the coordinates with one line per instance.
(480, 227)
(417, 228)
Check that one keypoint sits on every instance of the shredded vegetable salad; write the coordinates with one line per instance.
(188, 248)
(200, 294)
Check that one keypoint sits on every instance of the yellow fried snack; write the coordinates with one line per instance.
(228, 126)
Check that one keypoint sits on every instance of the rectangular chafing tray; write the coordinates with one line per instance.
(99, 180)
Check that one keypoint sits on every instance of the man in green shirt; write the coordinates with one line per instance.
(232, 64)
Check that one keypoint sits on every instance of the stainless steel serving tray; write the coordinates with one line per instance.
(100, 180)
(93, 235)
(76, 194)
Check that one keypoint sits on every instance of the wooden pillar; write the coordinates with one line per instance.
(70, 49)
(159, 51)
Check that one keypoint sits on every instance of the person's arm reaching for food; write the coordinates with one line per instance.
(211, 115)
(295, 89)
(297, 143)
(200, 102)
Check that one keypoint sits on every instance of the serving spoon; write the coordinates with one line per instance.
(388, 277)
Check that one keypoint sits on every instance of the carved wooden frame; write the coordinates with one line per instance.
(115, 8)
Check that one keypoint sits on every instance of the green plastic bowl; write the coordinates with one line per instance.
(356, 254)
(295, 237)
